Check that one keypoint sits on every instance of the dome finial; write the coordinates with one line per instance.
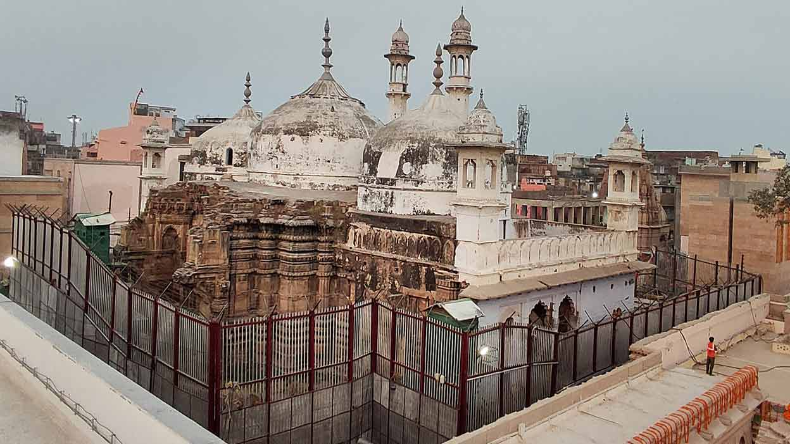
(247, 91)
(480, 103)
(437, 71)
(400, 25)
(626, 118)
(327, 51)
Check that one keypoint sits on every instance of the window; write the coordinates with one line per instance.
(156, 161)
(634, 182)
(490, 174)
(181, 171)
(470, 171)
(229, 156)
(619, 181)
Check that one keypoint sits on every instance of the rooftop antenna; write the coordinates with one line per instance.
(523, 129)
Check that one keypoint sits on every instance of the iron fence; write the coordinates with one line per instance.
(335, 375)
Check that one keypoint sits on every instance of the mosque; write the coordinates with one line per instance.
(319, 204)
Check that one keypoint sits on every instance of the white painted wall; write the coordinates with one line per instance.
(592, 296)
(11, 149)
(134, 415)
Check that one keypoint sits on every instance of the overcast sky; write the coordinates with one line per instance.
(695, 74)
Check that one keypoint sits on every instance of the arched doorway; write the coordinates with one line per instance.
(170, 239)
(541, 316)
(569, 318)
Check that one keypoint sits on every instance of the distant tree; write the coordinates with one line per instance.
(774, 201)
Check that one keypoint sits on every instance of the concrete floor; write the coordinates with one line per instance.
(773, 383)
(30, 414)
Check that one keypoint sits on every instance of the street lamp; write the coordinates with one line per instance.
(74, 119)
(595, 195)
(10, 262)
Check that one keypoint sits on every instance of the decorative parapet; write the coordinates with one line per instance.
(520, 258)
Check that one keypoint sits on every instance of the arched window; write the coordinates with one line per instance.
(398, 73)
(156, 162)
(490, 174)
(540, 316)
(470, 171)
(229, 156)
(619, 181)
(634, 182)
(461, 68)
(145, 159)
(453, 65)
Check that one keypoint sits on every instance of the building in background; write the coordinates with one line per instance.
(39, 191)
(535, 169)
(13, 144)
(666, 181)
(719, 223)
(123, 143)
(582, 173)
(776, 159)
(89, 184)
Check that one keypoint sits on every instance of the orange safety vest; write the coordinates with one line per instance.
(711, 350)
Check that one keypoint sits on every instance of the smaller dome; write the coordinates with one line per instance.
(481, 125)
(461, 23)
(155, 134)
(626, 143)
(461, 31)
(400, 35)
(400, 42)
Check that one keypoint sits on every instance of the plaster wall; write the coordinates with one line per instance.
(322, 162)
(728, 325)
(11, 152)
(704, 227)
(93, 180)
(41, 191)
(133, 414)
(123, 142)
(492, 262)
(593, 296)
(402, 198)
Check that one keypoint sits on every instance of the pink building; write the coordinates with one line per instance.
(123, 142)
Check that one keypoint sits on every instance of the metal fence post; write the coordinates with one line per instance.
(501, 369)
(14, 237)
(696, 313)
(68, 264)
(154, 334)
(674, 271)
(555, 366)
(737, 292)
(530, 332)
(661, 317)
(374, 339)
(269, 364)
(595, 348)
(214, 376)
(51, 247)
(176, 343)
(393, 344)
(423, 349)
(575, 369)
(716, 274)
(614, 342)
(129, 313)
(462, 383)
(631, 330)
(60, 258)
(112, 314)
(311, 351)
(87, 292)
(351, 344)
(34, 244)
(694, 273)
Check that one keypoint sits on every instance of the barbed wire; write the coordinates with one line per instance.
(99, 428)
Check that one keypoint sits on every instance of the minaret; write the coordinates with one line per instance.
(154, 171)
(460, 48)
(399, 59)
(625, 162)
(477, 205)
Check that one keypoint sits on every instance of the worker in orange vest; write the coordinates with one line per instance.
(711, 356)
